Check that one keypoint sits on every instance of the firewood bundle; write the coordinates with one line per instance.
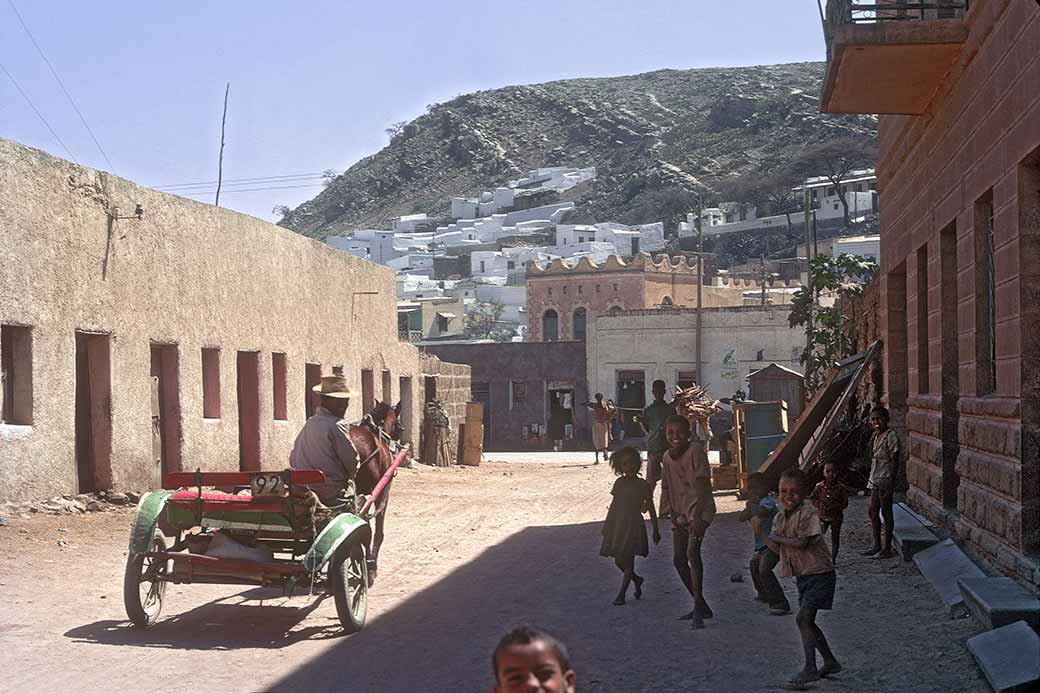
(695, 403)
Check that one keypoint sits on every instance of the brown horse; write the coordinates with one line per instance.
(371, 440)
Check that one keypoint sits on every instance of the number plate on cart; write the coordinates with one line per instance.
(267, 484)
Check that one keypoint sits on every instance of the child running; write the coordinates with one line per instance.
(831, 499)
(624, 533)
(686, 489)
(529, 659)
(798, 538)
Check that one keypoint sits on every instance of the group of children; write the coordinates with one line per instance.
(788, 530)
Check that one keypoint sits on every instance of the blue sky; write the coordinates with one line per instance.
(314, 84)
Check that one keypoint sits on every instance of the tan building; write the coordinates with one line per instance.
(958, 85)
(563, 298)
(184, 336)
(420, 319)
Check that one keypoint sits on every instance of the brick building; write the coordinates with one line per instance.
(959, 168)
(562, 297)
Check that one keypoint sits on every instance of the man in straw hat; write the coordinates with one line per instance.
(324, 442)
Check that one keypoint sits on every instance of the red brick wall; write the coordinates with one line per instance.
(597, 292)
(977, 138)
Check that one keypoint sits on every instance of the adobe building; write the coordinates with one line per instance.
(564, 297)
(175, 337)
(959, 169)
(532, 392)
(628, 350)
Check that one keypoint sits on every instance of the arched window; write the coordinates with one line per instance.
(550, 326)
(580, 316)
(615, 309)
(666, 301)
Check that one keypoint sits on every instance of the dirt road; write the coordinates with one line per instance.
(469, 552)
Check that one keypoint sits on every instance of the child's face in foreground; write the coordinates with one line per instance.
(677, 435)
(878, 422)
(630, 467)
(532, 668)
(790, 494)
(828, 472)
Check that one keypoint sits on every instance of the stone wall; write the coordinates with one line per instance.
(534, 366)
(448, 383)
(111, 302)
(962, 194)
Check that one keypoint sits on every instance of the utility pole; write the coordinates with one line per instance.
(700, 283)
(763, 280)
(808, 283)
(220, 162)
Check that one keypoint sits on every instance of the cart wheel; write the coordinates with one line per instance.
(143, 585)
(349, 574)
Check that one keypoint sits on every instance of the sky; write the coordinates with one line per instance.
(314, 85)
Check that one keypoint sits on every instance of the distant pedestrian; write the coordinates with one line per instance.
(797, 537)
(529, 659)
(686, 489)
(602, 415)
(884, 463)
(624, 532)
(617, 422)
(760, 509)
(831, 498)
(652, 422)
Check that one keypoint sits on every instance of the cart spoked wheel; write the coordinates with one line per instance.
(144, 585)
(349, 574)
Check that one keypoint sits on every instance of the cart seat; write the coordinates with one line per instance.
(218, 500)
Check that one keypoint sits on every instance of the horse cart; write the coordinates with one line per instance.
(274, 535)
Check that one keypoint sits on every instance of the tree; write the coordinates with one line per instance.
(329, 175)
(280, 211)
(835, 160)
(829, 336)
(395, 129)
(483, 323)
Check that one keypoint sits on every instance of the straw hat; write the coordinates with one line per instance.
(334, 386)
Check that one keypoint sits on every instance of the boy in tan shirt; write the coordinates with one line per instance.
(797, 537)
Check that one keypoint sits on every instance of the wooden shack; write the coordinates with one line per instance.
(774, 383)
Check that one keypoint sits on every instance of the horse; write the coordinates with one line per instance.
(371, 440)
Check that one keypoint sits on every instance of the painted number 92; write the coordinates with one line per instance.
(266, 485)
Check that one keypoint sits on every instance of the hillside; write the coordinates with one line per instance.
(655, 138)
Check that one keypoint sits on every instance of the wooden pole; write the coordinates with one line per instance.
(700, 283)
(220, 162)
(806, 205)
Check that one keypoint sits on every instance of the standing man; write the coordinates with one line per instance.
(324, 442)
(652, 422)
(602, 414)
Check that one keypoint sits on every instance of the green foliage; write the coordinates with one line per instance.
(831, 336)
(482, 323)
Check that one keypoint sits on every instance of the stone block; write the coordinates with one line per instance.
(910, 534)
(1009, 657)
(999, 601)
(943, 565)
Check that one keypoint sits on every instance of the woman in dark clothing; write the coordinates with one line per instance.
(624, 533)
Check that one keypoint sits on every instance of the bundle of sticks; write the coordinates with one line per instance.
(695, 403)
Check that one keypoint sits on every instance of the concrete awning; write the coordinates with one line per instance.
(449, 316)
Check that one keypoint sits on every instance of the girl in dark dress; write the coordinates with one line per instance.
(624, 533)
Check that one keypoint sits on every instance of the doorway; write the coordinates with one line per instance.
(430, 388)
(368, 391)
(93, 411)
(631, 399)
(248, 369)
(312, 376)
(481, 392)
(407, 403)
(561, 424)
(166, 408)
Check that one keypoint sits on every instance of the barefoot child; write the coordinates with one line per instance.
(686, 489)
(529, 659)
(798, 538)
(831, 499)
(624, 534)
(759, 511)
(884, 461)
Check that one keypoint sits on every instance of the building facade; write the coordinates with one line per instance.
(960, 258)
(533, 393)
(185, 336)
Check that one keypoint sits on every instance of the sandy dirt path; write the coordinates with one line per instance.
(469, 552)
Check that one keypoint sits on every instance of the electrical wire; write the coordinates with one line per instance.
(62, 85)
(37, 112)
(244, 181)
(210, 192)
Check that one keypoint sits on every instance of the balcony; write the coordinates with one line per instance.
(410, 336)
(889, 57)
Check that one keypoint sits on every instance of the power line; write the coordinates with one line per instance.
(210, 192)
(241, 181)
(62, 85)
(37, 112)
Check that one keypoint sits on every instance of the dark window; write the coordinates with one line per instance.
(511, 264)
(760, 356)
(615, 309)
(580, 318)
(985, 298)
(16, 375)
(922, 319)
(550, 326)
(597, 288)
(615, 288)
(565, 289)
(666, 301)
(312, 376)
(579, 289)
(519, 392)
(635, 246)
(442, 324)
(211, 383)
(279, 381)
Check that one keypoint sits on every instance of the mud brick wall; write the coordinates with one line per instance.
(452, 388)
(961, 191)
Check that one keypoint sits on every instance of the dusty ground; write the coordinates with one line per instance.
(469, 552)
